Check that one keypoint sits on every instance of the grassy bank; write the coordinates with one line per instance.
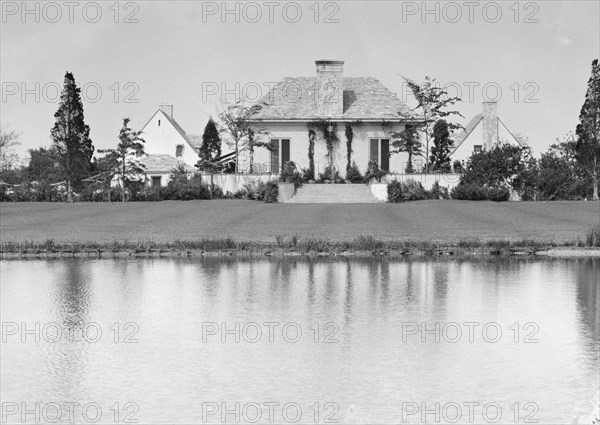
(283, 245)
(438, 222)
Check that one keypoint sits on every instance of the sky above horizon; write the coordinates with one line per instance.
(533, 57)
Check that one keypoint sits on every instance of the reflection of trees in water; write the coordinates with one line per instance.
(68, 360)
(588, 297)
(348, 293)
(73, 291)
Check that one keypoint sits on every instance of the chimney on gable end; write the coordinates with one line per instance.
(330, 88)
(167, 109)
(490, 124)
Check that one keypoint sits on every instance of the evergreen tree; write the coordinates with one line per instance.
(71, 136)
(124, 159)
(211, 142)
(440, 151)
(588, 130)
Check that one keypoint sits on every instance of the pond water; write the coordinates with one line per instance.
(300, 341)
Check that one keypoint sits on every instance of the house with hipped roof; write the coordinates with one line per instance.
(292, 107)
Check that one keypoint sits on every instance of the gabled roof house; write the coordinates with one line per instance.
(484, 131)
(167, 145)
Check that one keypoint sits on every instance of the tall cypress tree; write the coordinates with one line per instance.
(588, 130)
(71, 136)
(440, 151)
(211, 142)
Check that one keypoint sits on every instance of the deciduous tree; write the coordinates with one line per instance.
(432, 102)
(125, 158)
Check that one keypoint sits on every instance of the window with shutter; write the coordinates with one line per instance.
(285, 151)
(274, 156)
(374, 150)
(385, 154)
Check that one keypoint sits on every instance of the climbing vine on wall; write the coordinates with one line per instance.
(349, 137)
(329, 131)
(311, 151)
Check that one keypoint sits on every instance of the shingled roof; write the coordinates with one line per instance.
(365, 98)
(160, 163)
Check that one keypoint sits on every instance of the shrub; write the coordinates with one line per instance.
(290, 174)
(353, 174)
(438, 192)
(330, 173)
(185, 190)
(271, 190)
(406, 191)
(374, 172)
(469, 192)
(498, 194)
(474, 192)
(307, 174)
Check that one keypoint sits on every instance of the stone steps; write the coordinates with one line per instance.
(334, 194)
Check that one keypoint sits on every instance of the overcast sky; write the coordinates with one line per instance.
(538, 54)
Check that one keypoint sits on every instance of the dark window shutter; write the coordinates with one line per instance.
(285, 151)
(374, 150)
(275, 156)
(385, 154)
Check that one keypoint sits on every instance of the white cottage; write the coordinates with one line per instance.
(167, 145)
(484, 131)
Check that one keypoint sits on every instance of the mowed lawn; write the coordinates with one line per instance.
(443, 221)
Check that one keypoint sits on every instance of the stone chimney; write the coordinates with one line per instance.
(330, 99)
(167, 109)
(490, 124)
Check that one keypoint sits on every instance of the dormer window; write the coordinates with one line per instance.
(179, 151)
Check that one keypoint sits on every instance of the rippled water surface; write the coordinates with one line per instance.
(180, 341)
